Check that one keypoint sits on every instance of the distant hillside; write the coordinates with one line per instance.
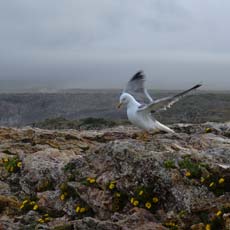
(27, 108)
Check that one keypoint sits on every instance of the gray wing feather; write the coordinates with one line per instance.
(167, 102)
(136, 88)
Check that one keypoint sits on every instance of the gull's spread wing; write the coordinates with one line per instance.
(167, 102)
(136, 88)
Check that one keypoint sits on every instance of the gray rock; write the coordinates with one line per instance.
(90, 179)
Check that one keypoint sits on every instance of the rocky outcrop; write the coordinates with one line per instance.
(115, 178)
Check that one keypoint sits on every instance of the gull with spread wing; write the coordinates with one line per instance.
(141, 107)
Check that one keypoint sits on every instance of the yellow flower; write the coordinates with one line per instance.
(62, 197)
(135, 202)
(46, 215)
(35, 207)
(5, 160)
(202, 179)
(187, 174)
(19, 164)
(208, 227)
(22, 206)
(155, 200)
(47, 219)
(11, 169)
(32, 202)
(148, 205)
(211, 184)
(208, 130)
(218, 213)
(132, 200)
(117, 194)
(221, 181)
(91, 180)
(170, 224)
(78, 208)
(25, 201)
(41, 221)
(141, 192)
(111, 186)
(82, 210)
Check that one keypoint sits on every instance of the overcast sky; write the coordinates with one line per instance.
(101, 43)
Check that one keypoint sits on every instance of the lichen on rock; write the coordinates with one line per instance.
(111, 179)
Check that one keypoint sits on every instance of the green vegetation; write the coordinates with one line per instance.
(44, 185)
(12, 165)
(214, 220)
(169, 164)
(200, 172)
(171, 225)
(144, 197)
(193, 167)
(71, 171)
(64, 227)
(66, 192)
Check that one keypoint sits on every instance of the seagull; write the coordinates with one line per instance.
(140, 110)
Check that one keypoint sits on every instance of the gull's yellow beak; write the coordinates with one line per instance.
(119, 105)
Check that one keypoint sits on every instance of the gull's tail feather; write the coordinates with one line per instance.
(163, 127)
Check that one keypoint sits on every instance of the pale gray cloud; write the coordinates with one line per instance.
(85, 43)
